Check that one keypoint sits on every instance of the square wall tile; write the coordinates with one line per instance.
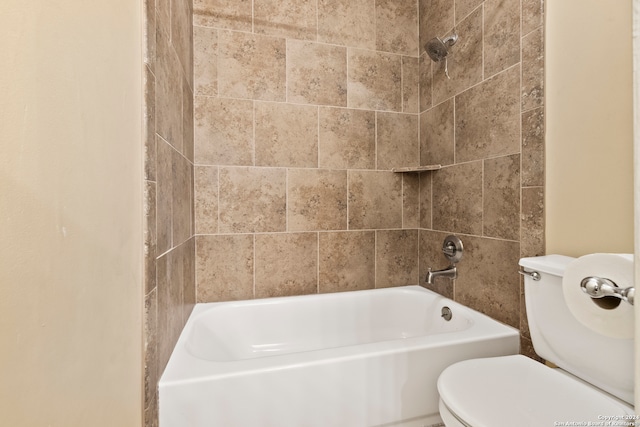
(410, 200)
(149, 125)
(252, 200)
(205, 61)
(501, 35)
(397, 140)
(464, 62)
(229, 14)
(163, 15)
(347, 139)
(151, 374)
(457, 199)
(206, 199)
(316, 73)
(410, 84)
(532, 224)
(524, 321)
(465, 7)
(151, 413)
(347, 261)
(397, 26)
(286, 264)
(347, 23)
(396, 258)
(426, 82)
(168, 92)
(488, 279)
(149, 28)
(182, 199)
(296, 19)
(436, 19)
(488, 118)
(425, 199)
(501, 201)
(286, 135)
(164, 197)
(169, 309)
(533, 148)
(375, 200)
(532, 15)
(150, 239)
(533, 70)
(182, 36)
(188, 253)
(223, 131)
(224, 267)
(317, 200)
(437, 145)
(187, 121)
(251, 66)
(375, 80)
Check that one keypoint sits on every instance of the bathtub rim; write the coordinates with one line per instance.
(184, 368)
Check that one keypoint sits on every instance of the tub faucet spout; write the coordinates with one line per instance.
(450, 272)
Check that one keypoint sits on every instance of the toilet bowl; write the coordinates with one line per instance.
(592, 386)
(516, 390)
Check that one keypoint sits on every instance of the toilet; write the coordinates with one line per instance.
(592, 384)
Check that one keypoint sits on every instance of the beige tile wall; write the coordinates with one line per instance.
(274, 148)
(302, 108)
(169, 182)
(485, 125)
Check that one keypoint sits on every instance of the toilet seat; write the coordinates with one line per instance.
(515, 390)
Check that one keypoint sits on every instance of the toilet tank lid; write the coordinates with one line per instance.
(552, 264)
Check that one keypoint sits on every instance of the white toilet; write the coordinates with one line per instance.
(593, 384)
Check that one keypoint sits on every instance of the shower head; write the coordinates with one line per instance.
(438, 49)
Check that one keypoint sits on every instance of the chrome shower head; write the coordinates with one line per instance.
(438, 49)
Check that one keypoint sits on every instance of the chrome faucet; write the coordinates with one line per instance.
(451, 272)
(452, 249)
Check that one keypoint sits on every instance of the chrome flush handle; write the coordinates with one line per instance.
(533, 274)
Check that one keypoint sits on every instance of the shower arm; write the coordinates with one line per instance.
(450, 40)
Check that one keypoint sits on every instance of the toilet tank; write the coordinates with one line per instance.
(558, 337)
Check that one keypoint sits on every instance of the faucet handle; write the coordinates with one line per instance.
(452, 248)
(449, 249)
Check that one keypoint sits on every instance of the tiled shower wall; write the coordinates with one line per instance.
(485, 125)
(303, 107)
(277, 153)
(301, 110)
(169, 232)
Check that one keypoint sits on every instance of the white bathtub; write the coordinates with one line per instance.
(352, 359)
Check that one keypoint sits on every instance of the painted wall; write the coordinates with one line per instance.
(70, 213)
(589, 159)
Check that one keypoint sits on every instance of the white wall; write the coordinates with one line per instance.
(589, 132)
(70, 213)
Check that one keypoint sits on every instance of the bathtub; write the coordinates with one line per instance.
(351, 359)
